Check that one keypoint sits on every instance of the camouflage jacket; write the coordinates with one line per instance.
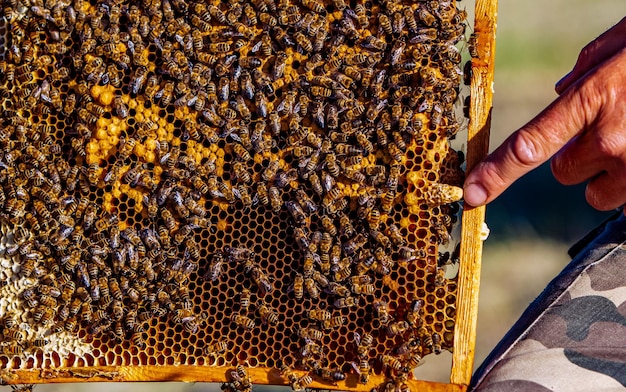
(573, 336)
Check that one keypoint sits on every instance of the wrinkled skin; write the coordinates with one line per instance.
(583, 131)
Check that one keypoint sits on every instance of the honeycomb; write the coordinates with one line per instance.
(229, 184)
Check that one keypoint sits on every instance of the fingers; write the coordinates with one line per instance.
(596, 52)
(602, 148)
(532, 144)
(582, 160)
(606, 191)
(589, 155)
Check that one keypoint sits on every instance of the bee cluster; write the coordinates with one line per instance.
(164, 160)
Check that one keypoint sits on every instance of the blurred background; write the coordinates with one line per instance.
(536, 220)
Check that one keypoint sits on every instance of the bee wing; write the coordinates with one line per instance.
(357, 338)
(236, 193)
(257, 46)
(281, 106)
(350, 12)
(290, 288)
(356, 368)
(235, 376)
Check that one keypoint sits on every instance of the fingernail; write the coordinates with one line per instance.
(475, 195)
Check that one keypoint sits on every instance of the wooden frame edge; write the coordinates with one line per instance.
(481, 91)
(190, 373)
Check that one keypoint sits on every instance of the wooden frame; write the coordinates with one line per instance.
(469, 273)
(473, 218)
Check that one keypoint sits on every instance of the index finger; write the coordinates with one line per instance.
(533, 144)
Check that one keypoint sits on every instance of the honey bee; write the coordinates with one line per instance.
(319, 91)
(331, 375)
(413, 359)
(301, 383)
(341, 273)
(311, 334)
(241, 173)
(244, 299)
(436, 343)
(311, 349)
(168, 219)
(319, 314)
(426, 17)
(334, 322)
(216, 348)
(381, 239)
(138, 340)
(9, 322)
(284, 178)
(397, 328)
(247, 87)
(382, 312)
(319, 278)
(243, 321)
(351, 246)
(39, 342)
(289, 374)
(275, 199)
(365, 143)
(472, 45)
(262, 281)
(391, 362)
(113, 288)
(316, 184)
(268, 315)
(367, 289)
(412, 316)
(363, 369)
(312, 288)
(36, 154)
(270, 171)
(241, 152)
(363, 344)
(71, 324)
(371, 42)
(238, 254)
(332, 165)
(298, 286)
(261, 102)
(45, 315)
(12, 349)
(308, 264)
(13, 333)
(262, 194)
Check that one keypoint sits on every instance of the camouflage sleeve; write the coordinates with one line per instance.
(573, 336)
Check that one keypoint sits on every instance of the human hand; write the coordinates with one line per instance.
(585, 127)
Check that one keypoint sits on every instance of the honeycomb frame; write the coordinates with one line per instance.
(128, 371)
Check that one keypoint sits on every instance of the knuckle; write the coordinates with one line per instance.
(493, 178)
(610, 145)
(526, 150)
